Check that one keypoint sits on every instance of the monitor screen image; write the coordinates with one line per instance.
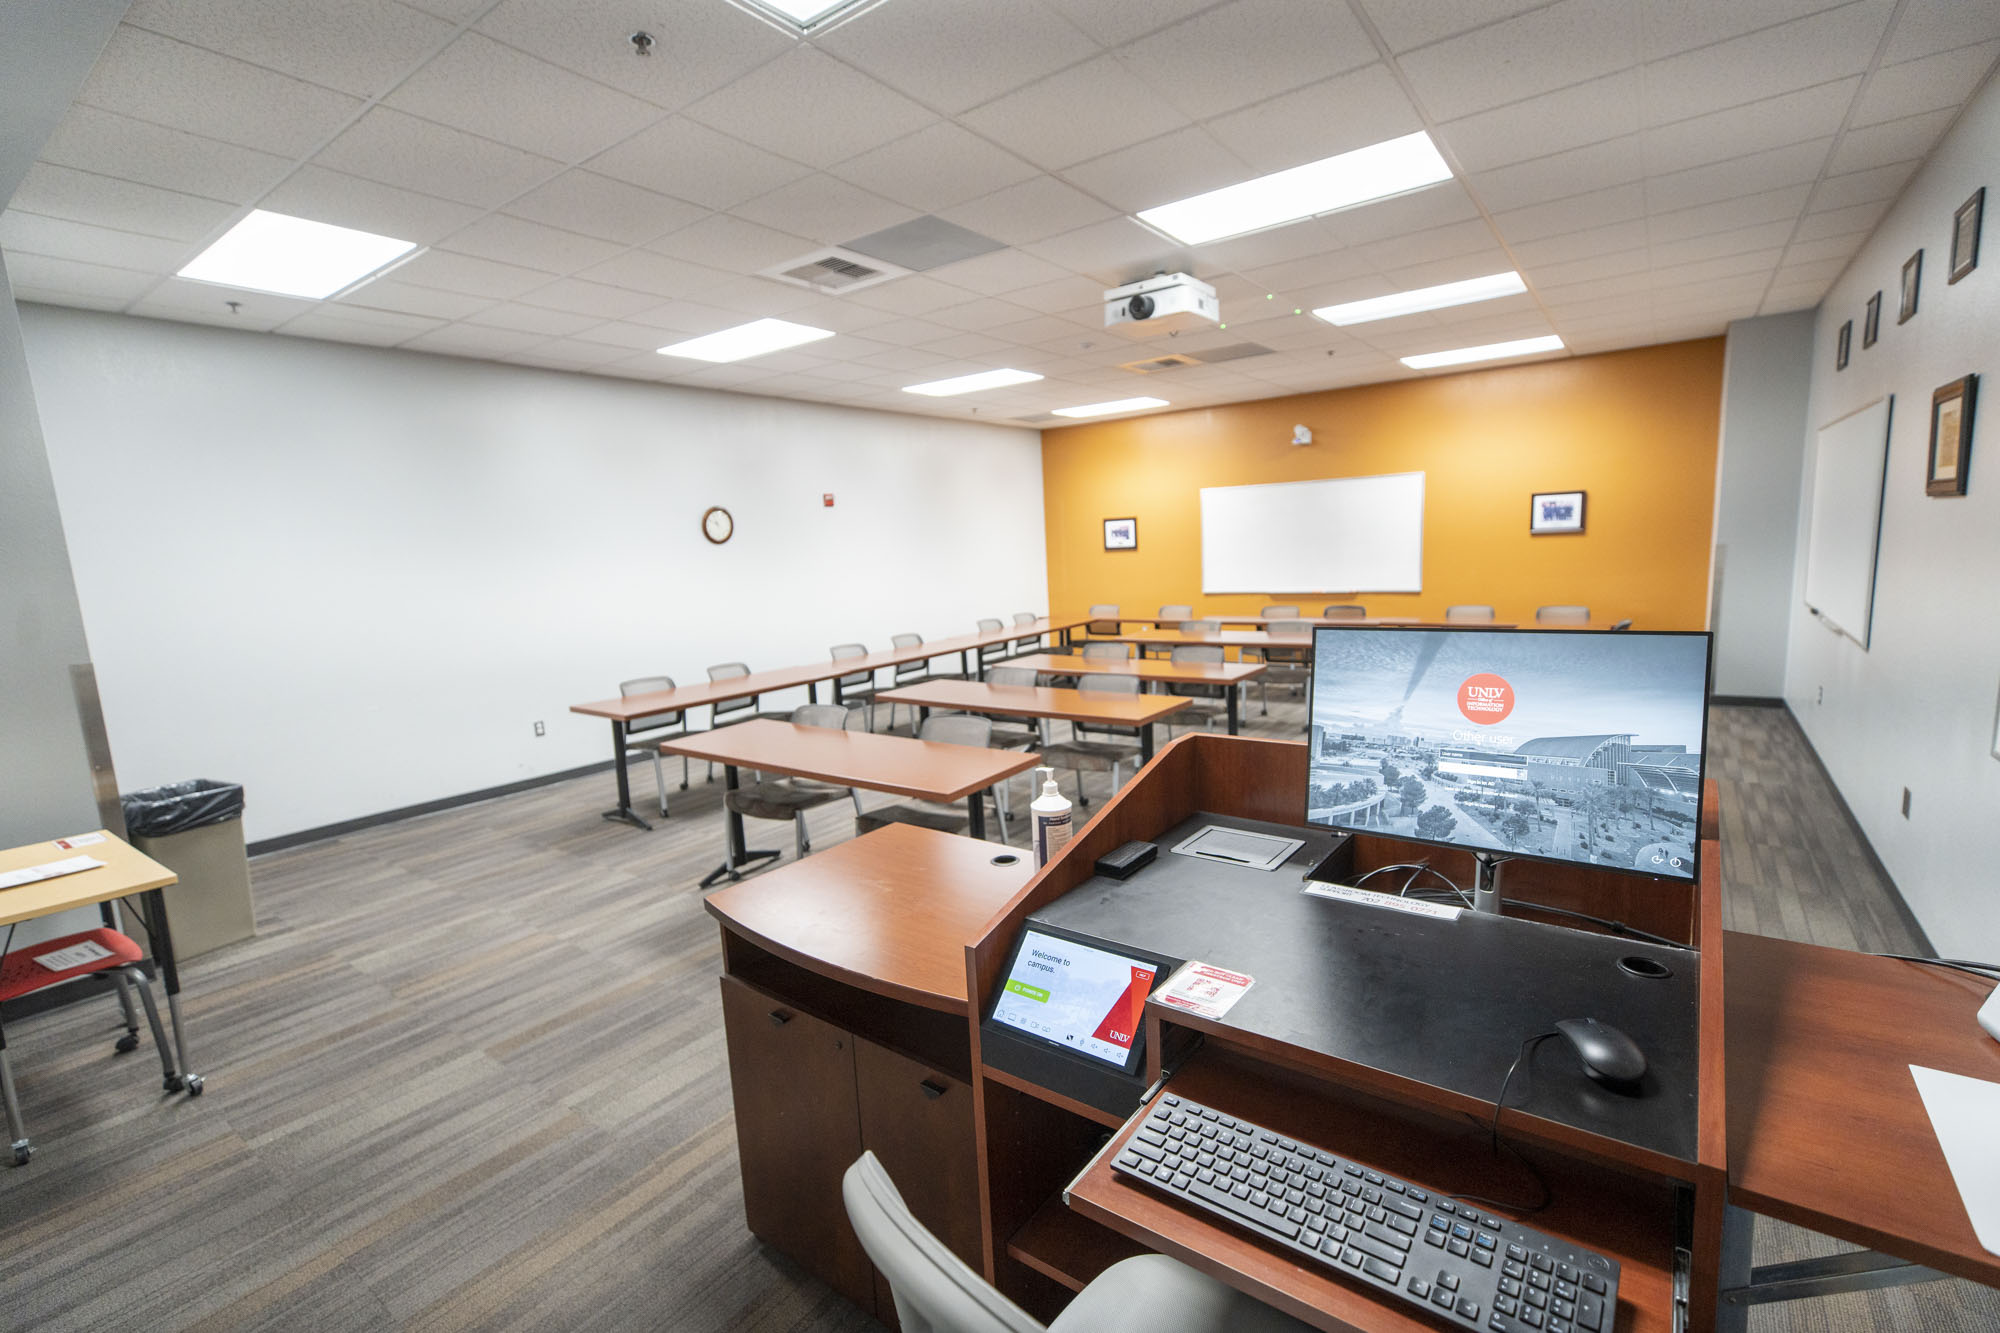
(1564, 745)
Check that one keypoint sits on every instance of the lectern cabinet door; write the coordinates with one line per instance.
(797, 1130)
(919, 1123)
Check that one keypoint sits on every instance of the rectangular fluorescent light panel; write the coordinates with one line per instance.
(1487, 288)
(271, 252)
(985, 379)
(1106, 409)
(805, 15)
(746, 340)
(1366, 174)
(1490, 352)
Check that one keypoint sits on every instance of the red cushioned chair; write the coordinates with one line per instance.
(22, 974)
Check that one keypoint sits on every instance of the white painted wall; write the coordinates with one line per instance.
(1766, 380)
(352, 578)
(1916, 709)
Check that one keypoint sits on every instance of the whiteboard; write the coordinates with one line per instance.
(1849, 459)
(1341, 534)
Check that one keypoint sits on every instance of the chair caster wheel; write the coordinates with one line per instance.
(23, 1150)
(127, 1043)
(194, 1085)
(173, 1083)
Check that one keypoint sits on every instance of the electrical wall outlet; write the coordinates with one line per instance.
(541, 730)
(1906, 802)
(1820, 698)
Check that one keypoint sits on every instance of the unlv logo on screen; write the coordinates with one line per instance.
(1486, 698)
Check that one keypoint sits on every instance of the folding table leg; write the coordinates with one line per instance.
(17, 1133)
(153, 1018)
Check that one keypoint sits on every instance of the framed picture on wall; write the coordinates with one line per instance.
(1871, 321)
(1951, 436)
(1121, 534)
(1965, 236)
(1843, 345)
(1913, 277)
(1552, 512)
(1996, 731)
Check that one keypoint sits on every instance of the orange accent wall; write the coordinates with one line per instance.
(1636, 429)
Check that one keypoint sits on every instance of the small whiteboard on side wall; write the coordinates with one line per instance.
(1849, 460)
(1341, 534)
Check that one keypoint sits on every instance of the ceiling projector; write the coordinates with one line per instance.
(1163, 303)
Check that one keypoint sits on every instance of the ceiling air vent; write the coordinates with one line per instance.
(834, 270)
(1233, 352)
(1153, 365)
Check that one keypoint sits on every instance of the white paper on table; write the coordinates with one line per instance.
(1964, 1112)
(13, 879)
(62, 960)
(1203, 989)
(1347, 893)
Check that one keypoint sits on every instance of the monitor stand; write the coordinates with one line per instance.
(1485, 892)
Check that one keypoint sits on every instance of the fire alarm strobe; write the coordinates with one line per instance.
(1163, 303)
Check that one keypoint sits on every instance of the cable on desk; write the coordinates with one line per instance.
(1493, 1132)
(1991, 971)
(1615, 927)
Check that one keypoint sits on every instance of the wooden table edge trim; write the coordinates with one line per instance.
(166, 878)
(1167, 705)
(957, 1006)
(1027, 761)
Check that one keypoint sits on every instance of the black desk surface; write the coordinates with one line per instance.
(1446, 1003)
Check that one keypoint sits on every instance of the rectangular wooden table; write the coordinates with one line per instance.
(621, 712)
(920, 770)
(1826, 1129)
(1100, 710)
(1225, 674)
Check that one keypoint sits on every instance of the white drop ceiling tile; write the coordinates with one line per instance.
(457, 11)
(753, 297)
(1583, 244)
(1863, 187)
(825, 209)
(529, 244)
(720, 377)
(26, 295)
(955, 54)
(735, 244)
(154, 78)
(566, 354)
(1930, 84)
(1406, 24)
(349, 201)
(1804, 296)
(387, 294)
(413, 154)
(1114, 252)
(1033, 210)
(1471, 239)
(1759, 262)
(984, 313)
(1159, 171)
(1799, 272)
(612, 210)
(471, 340)
(344, 324)
(1595, 166)
(918, 294)
(1717, 245)
(1809, 113)
(68, 278)
(59, 238)
(1671, 29)
(1905, 140)
(589, 298)
(847, 347)
(841, 316)
(629, 336)
(1582, 212)
(935, 168)
(1547, 278)
(108, 144)
(1084, 112)
(178, 298)
(1001, 273)
(810, 107)
(361, 47)
(661, 275)
(59, 192)
(1587, 113)
(482, 87)
(534, 319)
(1061, 295)
(1433, 206)
(1751, 174)
(699, 45)
(1832, 44)
(1728, 215)
(1247, 50)
(1533, 53)
(469, 275)
(684, 318)
(1840, 247)
(971, 346)
(1042, 330)
(1259, 250)
(691, 161)
(1841, 221)
(900, 360)
(1353, 110)
(1115, 22)
(1584, 310)
(1926, 27)
(909, 332)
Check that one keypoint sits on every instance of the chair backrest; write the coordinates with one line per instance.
(1209, 653)
(1006, 675)
(1287, 627)
(1033, 641)
(731, 671)
(992, 652)
(831, 716)
(1104, 619)
(1285, 652)
(1563, 615)
(1172, 615)
(1115, 652)
(990, 625)
(651, 721)
(1109, 683)
(1104, 609)
(958, 729)
(1623, 624)
(1201, 626)
(1343, 611)
(860, 679)
(1280, 610)
(921, 666)
(1197, 652)
(1025, 617)
(1468, 612)
(934, 1290)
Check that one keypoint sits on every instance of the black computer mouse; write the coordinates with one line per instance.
(1608, 1055)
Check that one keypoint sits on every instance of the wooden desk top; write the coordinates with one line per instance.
(125, 871)
(1368, 622)
(1229, 638)
(1145, 668)
(811, 673)
(921, 770)
(889, 912)
(1112, 710)
(1826, 1128)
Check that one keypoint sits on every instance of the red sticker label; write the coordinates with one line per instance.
(1486, 698)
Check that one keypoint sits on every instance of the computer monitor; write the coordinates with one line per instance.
(1561, 745)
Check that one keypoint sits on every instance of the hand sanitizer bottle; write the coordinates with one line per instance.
(1051, 823)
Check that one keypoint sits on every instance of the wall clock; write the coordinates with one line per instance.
(717, 525)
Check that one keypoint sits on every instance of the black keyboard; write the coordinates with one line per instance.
(1464, 1266)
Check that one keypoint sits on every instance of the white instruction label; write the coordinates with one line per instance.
(1348, 894)
(47, 870)
(77, 955)
(80, 840)
(1200, 988)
